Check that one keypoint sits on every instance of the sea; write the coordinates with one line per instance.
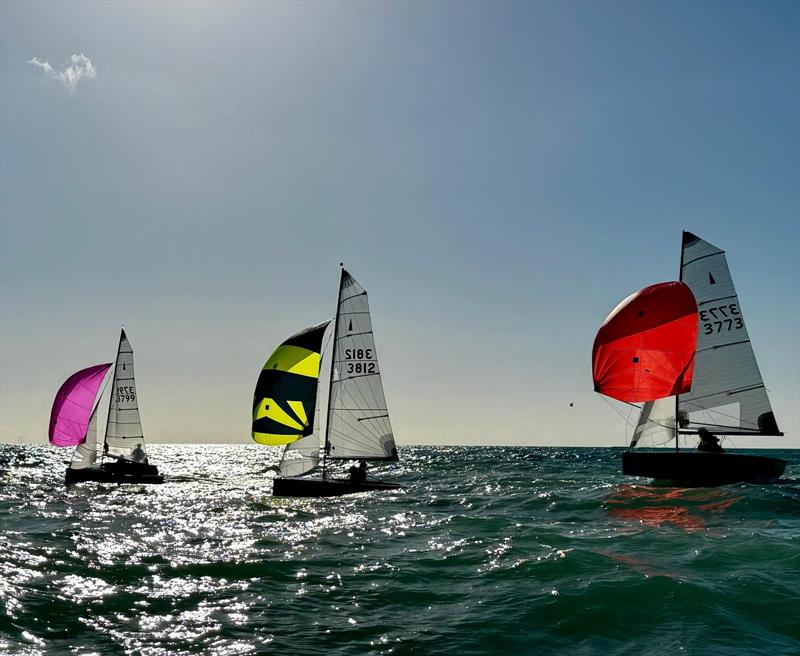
(484, 551)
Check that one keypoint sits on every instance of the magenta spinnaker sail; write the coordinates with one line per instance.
(72, 407)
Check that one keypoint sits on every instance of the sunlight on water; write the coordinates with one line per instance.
(484, 551)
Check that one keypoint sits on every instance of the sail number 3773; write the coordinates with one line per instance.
(359, 367)
(724, 317)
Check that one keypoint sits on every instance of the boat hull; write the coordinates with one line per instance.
(115, 472)
(698, 469)
(329, 487)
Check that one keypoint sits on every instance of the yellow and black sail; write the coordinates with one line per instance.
(286, 392)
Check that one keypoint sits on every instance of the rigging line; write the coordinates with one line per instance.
(345, 391)
(614, 408)
(366, 440)
(369, 428)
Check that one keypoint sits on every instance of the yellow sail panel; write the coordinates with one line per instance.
(286, 393)
(274, 439)
(270, 409)
(294, 360)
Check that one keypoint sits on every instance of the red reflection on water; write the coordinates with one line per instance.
(654, 517)
(676, 506)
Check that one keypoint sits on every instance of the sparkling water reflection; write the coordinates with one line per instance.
(484, 551)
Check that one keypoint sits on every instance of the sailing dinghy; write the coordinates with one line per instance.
(73, 422)
(285, 408)
(717, 391)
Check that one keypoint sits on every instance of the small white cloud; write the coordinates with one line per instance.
(79, 68)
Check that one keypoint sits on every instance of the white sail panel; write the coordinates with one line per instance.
(656, 425)
(358, 419)
(124, 437)
(85, 454)
(728, 394)
(300, 457)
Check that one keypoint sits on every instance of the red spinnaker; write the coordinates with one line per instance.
(72, 407)
(645, 348)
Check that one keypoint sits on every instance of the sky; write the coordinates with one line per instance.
(498, 176)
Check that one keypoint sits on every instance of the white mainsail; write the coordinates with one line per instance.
(124, 437)
(358, 420)
(728, 394)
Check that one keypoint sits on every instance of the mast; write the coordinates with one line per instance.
(111, 395)
(333, 362)
(677, 419)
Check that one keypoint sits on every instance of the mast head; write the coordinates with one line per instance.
(688, 238)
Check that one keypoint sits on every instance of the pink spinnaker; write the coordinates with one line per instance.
(72, 408)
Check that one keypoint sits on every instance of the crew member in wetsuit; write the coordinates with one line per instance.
(709, 443)
(358, 474)
(138, 455)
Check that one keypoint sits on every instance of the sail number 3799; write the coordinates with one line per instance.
(359, 367)
(125, 393)
(724, 317)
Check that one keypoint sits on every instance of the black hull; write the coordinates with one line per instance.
(329, 487)
(698, 469)
(115, 472)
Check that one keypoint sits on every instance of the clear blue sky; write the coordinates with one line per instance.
(498, 176)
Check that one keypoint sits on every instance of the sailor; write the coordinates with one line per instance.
(138, 454)
(358, 474)
(709, 443)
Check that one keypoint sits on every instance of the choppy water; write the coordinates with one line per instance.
(486, 551)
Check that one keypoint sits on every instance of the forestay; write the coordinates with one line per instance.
(358, 419)
(728, 394)
(124, 436)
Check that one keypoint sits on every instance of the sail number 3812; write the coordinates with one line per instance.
(361, 367)
(724, 317)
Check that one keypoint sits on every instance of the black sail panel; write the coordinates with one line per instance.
(285, 399)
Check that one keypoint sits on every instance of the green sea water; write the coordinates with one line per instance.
(485, 551)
